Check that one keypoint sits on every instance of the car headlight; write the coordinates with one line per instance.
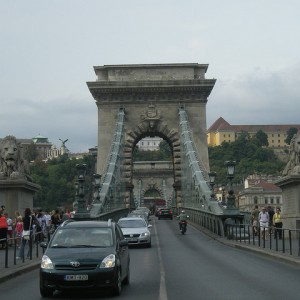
(46, 263)
(145, 234)
(108, 262)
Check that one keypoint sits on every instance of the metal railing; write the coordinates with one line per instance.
(244, 233)
(11, 249)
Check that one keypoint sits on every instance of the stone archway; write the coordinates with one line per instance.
(151, 96)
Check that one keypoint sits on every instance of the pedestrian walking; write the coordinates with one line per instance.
(19, 230)
(271, 212)
(264, 223)
(277, 223)
(28, 221)
(10, 232)
(3, 229)
(254, 217)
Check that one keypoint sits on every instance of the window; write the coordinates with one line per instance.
(278, 200)
(272, 200)
(278, 134)
(266, 200)
(255, 200)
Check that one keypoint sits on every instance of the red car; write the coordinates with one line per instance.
(165, 213)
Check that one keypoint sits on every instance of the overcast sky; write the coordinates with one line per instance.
(48, 50)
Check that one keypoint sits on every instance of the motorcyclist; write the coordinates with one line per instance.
(182, 217)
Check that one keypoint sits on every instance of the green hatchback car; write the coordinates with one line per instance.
(85, 255)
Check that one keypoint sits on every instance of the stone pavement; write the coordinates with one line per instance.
(17, 267)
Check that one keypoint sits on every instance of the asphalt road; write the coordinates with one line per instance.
(191, 266)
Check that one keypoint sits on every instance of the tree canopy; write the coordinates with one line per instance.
(250, 156)
(290, 133)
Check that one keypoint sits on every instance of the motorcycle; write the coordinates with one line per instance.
(183, 225)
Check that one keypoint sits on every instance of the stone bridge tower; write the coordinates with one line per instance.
(151, 95)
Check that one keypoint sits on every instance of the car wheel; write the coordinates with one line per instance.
(46, 292)
(118, 284)
(126, 280)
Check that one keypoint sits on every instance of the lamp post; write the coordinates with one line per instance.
(75, 203)
(97, 180)
(230, 175)
(212, 178)
(81, 210)
(223, 195)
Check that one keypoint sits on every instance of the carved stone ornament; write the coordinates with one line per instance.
(293, 165)
(151, 115)
(12, 164)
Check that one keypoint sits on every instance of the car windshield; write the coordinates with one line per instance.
(132, 223)
(82, 237)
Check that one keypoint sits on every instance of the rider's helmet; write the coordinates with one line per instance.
(182, 211)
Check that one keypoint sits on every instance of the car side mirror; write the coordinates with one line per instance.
(149, 225)
(43, 244)
(123, 243)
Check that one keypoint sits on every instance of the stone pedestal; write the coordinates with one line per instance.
(290, 186)
(17, 194)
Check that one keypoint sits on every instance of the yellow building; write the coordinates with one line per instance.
(221, 131)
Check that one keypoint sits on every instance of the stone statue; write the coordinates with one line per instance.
(12, 164)
(293, 165)
(63, 148)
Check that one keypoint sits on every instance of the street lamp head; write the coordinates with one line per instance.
(212, 177)
(230, 164)
(76, 185)
(81, 168)
(97, 179)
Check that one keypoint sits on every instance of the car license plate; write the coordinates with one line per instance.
(131, 240)
(76, 277)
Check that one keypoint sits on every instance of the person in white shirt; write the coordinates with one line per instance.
(263, 218)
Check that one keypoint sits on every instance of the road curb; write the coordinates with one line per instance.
(22, 270)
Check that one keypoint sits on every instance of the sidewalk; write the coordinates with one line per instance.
(16, 267)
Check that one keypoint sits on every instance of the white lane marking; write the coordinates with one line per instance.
(162, 286)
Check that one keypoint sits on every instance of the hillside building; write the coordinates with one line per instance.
(221, 131)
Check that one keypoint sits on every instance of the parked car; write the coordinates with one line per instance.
(85, 255)
(136, 231)
(165, 213)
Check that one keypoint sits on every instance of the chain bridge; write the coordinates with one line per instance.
(164, 100)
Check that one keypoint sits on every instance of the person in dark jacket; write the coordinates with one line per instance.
(28, 221)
